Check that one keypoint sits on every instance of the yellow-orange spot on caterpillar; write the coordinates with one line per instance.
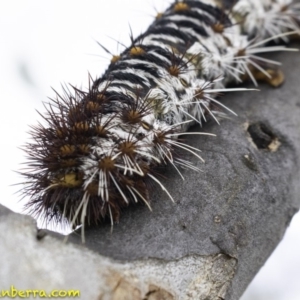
(81, 126)
(115, 58)
(67, 150)
(84, 148)
(159, 15)
(106, 164)
(174, 71)
(218, 28)
(136, 51)
(127, 148)
(92, 106)
(180, 6)
(70, 180)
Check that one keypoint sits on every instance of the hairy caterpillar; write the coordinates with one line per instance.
(103, 145)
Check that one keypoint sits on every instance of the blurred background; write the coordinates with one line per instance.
(44, 44)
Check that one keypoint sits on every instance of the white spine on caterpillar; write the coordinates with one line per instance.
(101, 146)
(267, 18)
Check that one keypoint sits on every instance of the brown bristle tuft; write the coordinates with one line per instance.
(132, 116)
(100, 131)
(60, 133)
(92, 106)
(127, 148)
(81, 126)
(84, 149)
(67, 150)
(174, 70)
(218, 28)
(106, 164)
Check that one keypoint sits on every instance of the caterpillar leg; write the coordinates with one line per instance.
(275, 78)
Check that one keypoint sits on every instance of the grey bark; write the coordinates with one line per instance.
(210, 243)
